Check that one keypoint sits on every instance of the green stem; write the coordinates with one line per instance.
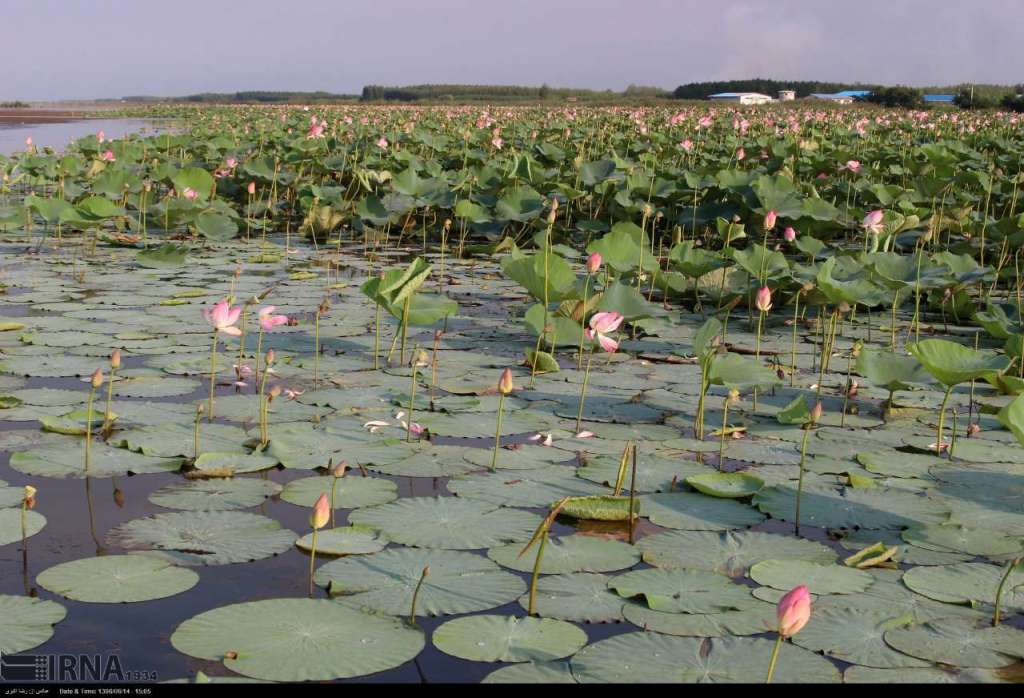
(942, 420)
(583, 323)
(583, 391)
(88, 427)
(800, 482)
(107, 420)
(999, 591)
(721, 443)
(412, 399)
(775, 657)
(416, 596)
(213, 372)
(312, 562)
(536, 573)
(497, 433)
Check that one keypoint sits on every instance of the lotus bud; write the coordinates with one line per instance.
(321, 512)
(447, 224)
(420, 359)
(972, 429)
(789, 235)
(505, 386)
(119, 497)
(115, 359)
(852, 391)
(274, 392)
(794, 610)
(769, 220)
(594, 263)
(816, 412)
(733, 397)
(270, 357)
(97, 378)
(324, 307)
(200, 408)
(339, 469)
(763, 300)
(251, 188)
(29, 498)
(857, 346)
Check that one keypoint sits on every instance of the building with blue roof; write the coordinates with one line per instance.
(939, 99)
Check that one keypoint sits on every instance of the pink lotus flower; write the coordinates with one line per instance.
(794, 610)
(769, 220)
(190, 193)
(585, 435)
(268, 321)
(601, 325)
(251, 188)
(231, 163)
(223, 317)
(594, 263)
(108, 156)
(873, 222)
(853, 166)
(292, 394)
(789, 235)
(740, 154)
(375, 425)
(382, 143)
(100, 136)
(315, 131)
(28, 142)
(764, 299)
(686, 145)
(497, 143)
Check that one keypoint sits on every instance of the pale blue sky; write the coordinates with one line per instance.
(111, 48)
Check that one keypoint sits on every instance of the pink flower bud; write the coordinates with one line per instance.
(594, 263)
(321, 512)
(505, 386)
(764, 299)
(789, 235)
(794, 610)
(769, 220)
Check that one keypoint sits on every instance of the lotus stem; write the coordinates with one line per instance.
(316, 348)
(497, 432)
(532, 606)
(88, 427)
(259, 353)
(108, 422)
(999, 590)
(312, 562)
(376, 341)
(213, 372)
(195, 432)
(792, 365)
(632, 500)
(412, 397)
(942, 419)
(416, 595)
(405, 325)
(775, 657)
(800, 481)
(721, 442)
(583, 391)
(583, 322)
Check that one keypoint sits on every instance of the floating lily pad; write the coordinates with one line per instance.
(654, 658)
(951, 538)
(697, 512)
(447, 522)
(850, 507)
(235, 463)
(345, 540)
(960, 642)
(298, 640)
(10, 524)
(531, 488)
(215, 495)
(532, 672)
(67, 459)
(350, 492)
(566, 554)
(753, 621)
(728, 553)
(205, 538)
(728, 485)
(819, 579)
(458, 582)
(508, 639)
(968, 583)
(684, 591)
(27, 622)
(117, 579)
(582, 597)
(855, 636)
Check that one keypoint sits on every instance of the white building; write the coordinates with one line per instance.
(836, 98)
(741, 97)
(787, 95)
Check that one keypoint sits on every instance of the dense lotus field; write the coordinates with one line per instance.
(519, 395)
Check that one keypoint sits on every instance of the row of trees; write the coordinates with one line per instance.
(499, 93)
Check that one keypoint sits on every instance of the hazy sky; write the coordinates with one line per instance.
(111, 48)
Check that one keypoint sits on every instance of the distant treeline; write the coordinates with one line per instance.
(251, 97)
(803, 88)
(502, 93)
(16, 104)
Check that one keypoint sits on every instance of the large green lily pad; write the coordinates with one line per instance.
(350, 492)
(960, 642)
(730, 553)
(448, 522)
(509, 639)
(117, 579)
(298, 640)
(566, 554)
(215, 495)
(27, 622)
